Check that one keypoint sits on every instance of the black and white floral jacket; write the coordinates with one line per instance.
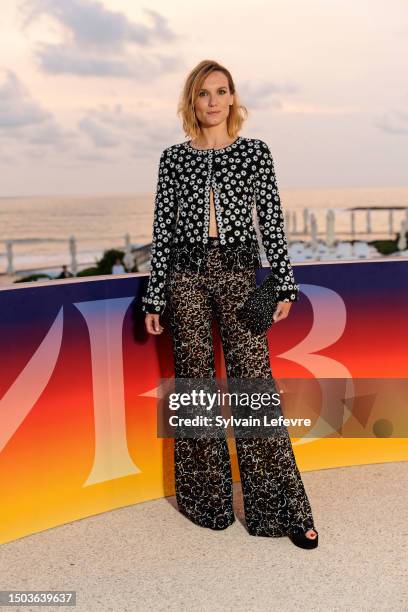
(238, 174)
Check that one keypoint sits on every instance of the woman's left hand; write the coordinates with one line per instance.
(282, 311)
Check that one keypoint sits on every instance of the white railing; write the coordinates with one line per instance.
(139, 254)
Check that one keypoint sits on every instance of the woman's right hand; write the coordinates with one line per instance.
(152, 324)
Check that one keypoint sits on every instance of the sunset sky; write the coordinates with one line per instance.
(89, 88)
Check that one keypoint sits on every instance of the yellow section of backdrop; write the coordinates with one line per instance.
(327, 453)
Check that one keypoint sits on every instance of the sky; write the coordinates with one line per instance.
(89, 89)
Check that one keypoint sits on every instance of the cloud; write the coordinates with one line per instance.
(98, 133)
(98, 41)
(394, 123)
(265, 94)
(26, 128)
(51, 134)
(106, 133)
(95, 27)
(61, 59)
(93, 157)
(17, 108)
(109, 127)
(112, 126)
(66, 59)
(6, 159)
(119, 118)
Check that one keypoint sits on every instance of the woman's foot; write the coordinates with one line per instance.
(304, 539)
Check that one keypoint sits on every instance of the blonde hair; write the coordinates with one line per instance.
(237, 115)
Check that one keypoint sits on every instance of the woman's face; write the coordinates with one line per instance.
(213, 100)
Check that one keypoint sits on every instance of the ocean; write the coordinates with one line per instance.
(40, 227)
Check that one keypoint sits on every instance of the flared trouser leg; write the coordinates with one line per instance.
(203, 477)
(274, 497)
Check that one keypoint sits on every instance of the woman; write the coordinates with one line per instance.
(204, 258)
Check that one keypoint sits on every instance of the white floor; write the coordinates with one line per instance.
(150, 557)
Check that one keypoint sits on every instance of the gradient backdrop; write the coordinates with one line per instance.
(79, 377)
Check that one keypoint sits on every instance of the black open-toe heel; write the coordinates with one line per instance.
(299, 538)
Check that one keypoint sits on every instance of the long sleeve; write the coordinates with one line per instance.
(271, 227)
(165, 215)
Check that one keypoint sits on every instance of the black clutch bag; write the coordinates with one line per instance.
(258, 309)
